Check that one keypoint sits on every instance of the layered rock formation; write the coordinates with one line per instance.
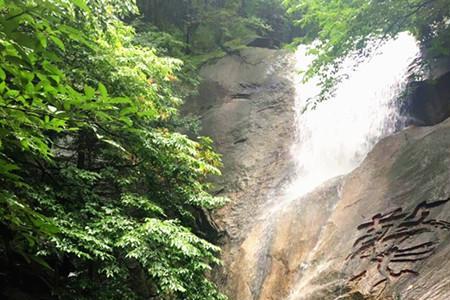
(380, 232)
(389, 235)
(245, 103)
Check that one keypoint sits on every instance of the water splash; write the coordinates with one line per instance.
(335, 137)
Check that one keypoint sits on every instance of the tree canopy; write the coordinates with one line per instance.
(100, 192)
(208, 25)
(343, 28)
(102, 195)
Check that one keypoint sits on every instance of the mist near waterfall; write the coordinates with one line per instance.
(334, 138)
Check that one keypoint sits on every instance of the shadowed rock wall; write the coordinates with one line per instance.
(427, 102)
(246, 104)
(380, 232)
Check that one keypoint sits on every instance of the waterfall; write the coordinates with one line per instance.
(334, 138)
(331, 140)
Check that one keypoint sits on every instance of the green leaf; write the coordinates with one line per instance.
(42, 39)
(51, 68)
(29, 88)
(102, 90)
(115, 144)
(81, 4)
(58, 42)
(89, 91)
(2, 74)
(40, 260)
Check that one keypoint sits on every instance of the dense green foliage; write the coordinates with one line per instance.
(344, 28)
(99, 193)
(215, 27)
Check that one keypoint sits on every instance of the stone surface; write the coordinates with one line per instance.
(427, 102)
(380, 232)
(246, 106)
(279, 245)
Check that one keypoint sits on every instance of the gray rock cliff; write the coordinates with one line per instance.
(379, 232)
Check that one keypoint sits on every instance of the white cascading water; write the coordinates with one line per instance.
(333, 138)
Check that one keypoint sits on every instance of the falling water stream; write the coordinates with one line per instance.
(336, 136)
(333, 138)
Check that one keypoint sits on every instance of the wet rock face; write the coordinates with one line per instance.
(427, 102)
(410, 229)
(265, 43)
(279, 246)
(246, 105)
(380, 232)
